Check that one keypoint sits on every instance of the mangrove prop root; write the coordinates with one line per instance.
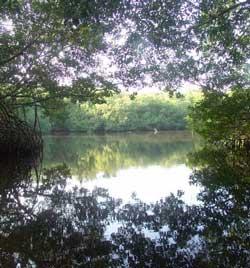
(16, 136)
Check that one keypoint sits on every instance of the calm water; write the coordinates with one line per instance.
(150, 166)
(134, 200)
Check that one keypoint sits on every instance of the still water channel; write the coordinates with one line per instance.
(126, 200)
(148, 165)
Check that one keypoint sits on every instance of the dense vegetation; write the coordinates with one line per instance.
(223, 117)
(119, 113)
(51, 50)
(52, 67)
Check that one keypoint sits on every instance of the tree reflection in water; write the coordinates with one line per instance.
(47, 223)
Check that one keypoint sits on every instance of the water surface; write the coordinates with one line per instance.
(60, 215)
(149, 165)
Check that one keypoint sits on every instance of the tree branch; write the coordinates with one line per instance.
(18, 54)
(227, 10)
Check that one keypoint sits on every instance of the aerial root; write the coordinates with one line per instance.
(16, 136)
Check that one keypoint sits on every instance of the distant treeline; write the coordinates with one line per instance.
(119, 113)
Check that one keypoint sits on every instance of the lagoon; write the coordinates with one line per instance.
(149, 165)
(126, 200)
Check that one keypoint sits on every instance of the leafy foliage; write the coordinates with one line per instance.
(118, 114)
(222, 116)
(188, 41)
(43, 43)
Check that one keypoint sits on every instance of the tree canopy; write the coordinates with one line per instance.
(46, 44)
(222, 116)
(205, 42)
